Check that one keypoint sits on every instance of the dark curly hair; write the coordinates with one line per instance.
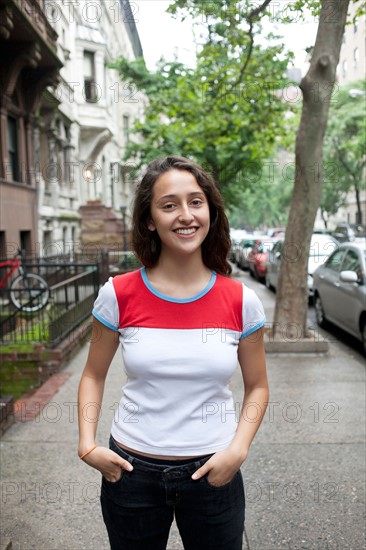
(146, 243)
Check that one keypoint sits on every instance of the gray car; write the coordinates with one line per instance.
(321, 246)
(340, 290)
(242, 251)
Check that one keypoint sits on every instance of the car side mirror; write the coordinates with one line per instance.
(348, 277)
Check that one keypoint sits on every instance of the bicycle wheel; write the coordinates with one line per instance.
(29, 292)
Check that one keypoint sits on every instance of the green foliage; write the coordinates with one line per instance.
(314, 6)
(224, 113)
(269, 197)
(32, 333)
(18, 378)
(344, 146)
(129, 262)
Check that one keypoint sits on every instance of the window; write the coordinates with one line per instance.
(126, 127)
(64, 240)
(335, 260)
(13, 154)
(356, 57)
(355, 25)
(352, 263)
(25, 241)
(90, 91)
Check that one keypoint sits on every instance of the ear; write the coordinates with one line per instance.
(151, 225)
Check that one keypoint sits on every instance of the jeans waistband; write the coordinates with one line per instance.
(140, 464)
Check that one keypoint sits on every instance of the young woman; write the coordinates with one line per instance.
(176, 444)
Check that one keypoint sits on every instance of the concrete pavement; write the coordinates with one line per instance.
(304, 476)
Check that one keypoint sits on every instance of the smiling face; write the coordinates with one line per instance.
(179, 212)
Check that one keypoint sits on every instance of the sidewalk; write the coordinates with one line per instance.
(304, 477)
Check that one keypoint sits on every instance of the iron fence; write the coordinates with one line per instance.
(73, 289)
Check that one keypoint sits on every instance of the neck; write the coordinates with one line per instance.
(181, 268)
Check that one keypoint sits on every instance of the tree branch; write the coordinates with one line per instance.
(251, 19)
(342, 159)
(253, 15)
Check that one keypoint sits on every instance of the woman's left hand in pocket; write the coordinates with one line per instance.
(221, 467)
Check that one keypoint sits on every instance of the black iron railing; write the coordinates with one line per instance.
(73, 289)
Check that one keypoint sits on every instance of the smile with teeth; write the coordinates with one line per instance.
(188, 231)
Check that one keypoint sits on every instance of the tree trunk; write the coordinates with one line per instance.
(358, 202)
(325, 221)
(290, 318)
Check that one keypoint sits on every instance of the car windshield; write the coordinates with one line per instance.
(265, 246)
(247, 243)
(322, 245)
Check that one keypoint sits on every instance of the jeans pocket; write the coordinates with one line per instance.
(114, 483)
(221, 487)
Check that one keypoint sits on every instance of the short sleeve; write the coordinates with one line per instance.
(253, 313)
(106, 306)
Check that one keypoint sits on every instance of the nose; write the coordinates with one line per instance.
(185, 215)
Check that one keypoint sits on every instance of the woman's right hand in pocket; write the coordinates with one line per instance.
(109, 463)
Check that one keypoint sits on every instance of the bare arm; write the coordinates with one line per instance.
(103, 346)
(223, 464)
(252, 362)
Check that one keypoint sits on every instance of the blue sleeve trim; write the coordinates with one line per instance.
(253, 329)
(103, 321)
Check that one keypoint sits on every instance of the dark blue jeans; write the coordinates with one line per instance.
(138, 510)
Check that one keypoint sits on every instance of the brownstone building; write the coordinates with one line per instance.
(28, 64)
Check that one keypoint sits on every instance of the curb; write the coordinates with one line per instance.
(28, 407)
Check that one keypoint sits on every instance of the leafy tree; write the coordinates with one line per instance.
(267, 200)
(345, 149)
(224, 113)
(317, 87)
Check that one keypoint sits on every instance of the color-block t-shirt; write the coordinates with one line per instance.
(179, 356)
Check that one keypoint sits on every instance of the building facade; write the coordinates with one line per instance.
(77, 133)
(29, 64)
(351, 69)
(352, 61)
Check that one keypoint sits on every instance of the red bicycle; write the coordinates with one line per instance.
(28, 292)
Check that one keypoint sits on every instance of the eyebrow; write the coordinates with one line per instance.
(194, 193)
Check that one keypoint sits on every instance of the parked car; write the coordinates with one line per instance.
(347, 232)
(340, 290)
(242, 251)
(258, 255)
(276, 232)
(236, 235)
(321, 246)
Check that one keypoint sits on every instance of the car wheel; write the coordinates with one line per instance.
(319, 312)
